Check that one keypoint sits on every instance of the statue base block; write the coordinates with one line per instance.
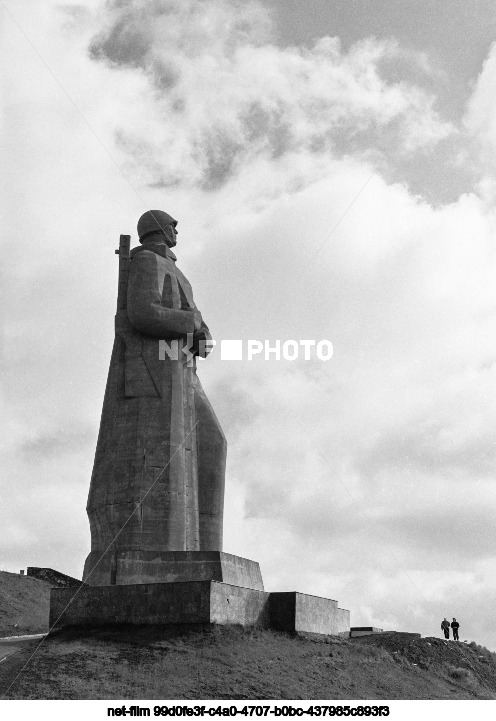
(179, 566)
(195, 602)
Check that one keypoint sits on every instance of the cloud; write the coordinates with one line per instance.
(65, 441)
(479, 125)
(380, 461)
(480, 116)
(220, 94)
(431, 447)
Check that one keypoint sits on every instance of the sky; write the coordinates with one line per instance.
(333, 174)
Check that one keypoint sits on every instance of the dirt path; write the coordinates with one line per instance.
(12, 644)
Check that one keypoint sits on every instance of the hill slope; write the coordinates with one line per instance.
(235, 663)
(24, 601)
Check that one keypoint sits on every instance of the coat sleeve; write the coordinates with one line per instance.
(204, 329)
(144, 308)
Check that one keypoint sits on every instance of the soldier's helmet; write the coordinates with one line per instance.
(153, 221)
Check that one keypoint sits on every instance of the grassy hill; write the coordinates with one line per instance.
(226, 663)
(24, 601)
(234, 663)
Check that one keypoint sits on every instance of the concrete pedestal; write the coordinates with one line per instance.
(195, 602)
(179, 566)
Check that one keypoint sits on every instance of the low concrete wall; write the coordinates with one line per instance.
(357, 631)
(316, 615)
(282, 606)
(54, 578)
(343, 616)
(292, 611)
(235, 605)
(147, 603)
(196, 602)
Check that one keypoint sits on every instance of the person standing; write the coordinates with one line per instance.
(445, 626)
(455, 626)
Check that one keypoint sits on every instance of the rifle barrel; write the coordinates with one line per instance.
(124, 245)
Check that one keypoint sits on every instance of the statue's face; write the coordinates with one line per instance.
(170, 235)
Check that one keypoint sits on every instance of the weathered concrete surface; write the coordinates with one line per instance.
(54, 578)
(147, 603)
(283, 610)
(292, 611)
(343, 617)
(195, 602)
(235, 605)
(158, 476)
(173, 566)
(356, 631)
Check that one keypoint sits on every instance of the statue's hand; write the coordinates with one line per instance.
(197, 316)
(201, 345)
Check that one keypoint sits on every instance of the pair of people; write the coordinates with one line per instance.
(445, 626)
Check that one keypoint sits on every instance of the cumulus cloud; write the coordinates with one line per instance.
(225, 95)
(480, 117)
(381, 460)
(65, 441)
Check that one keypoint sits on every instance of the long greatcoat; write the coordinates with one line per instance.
(158, 476)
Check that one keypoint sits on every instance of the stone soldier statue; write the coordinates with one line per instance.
(158, 479)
